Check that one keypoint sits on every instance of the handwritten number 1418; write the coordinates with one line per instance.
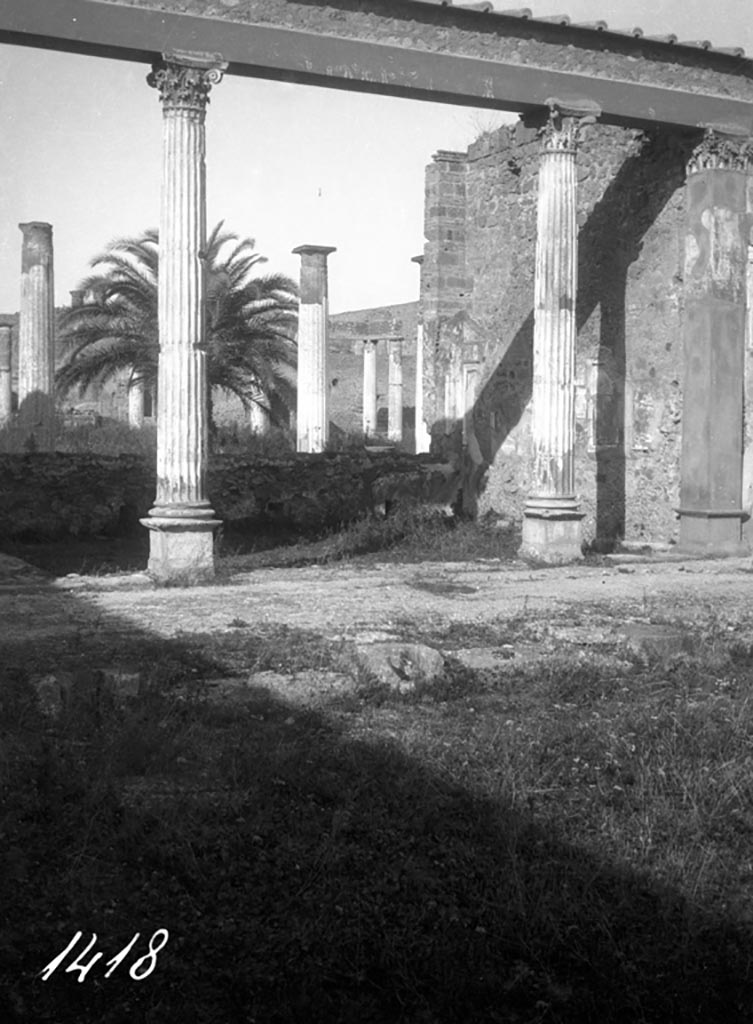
(138, 972)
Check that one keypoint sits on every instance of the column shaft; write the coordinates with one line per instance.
(36, 338)
(312, 414)
(422, 435)
(395, 389)
(369, 388)
(182, 432)
(182, 522)
(555, 287)
(6, 392)
(716, 251)
(552, 520)
(423, 438)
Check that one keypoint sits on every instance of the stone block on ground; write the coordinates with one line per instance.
(650, 639)
(399, 665)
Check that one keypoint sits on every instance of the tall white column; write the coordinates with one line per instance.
(6, 392)
(395, 389)
(422, 435)
(369, 388)
(36, 338)
(182, 522)
(552, 517)
(312, 414)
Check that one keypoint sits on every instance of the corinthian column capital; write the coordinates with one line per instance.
(721, 151)
(184, 80)
(563, 128)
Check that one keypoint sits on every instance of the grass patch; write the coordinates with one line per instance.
(566, 839)
(409, 534)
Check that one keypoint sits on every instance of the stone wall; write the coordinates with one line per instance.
(629, 350)
(53, 496)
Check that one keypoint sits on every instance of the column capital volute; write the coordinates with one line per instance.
(722, 148)
(560, 127)
(418, 259)
(184, 79)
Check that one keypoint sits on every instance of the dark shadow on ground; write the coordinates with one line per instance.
(304, 870)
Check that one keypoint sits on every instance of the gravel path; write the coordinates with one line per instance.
(351, 597)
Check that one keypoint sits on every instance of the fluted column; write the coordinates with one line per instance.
(36, 339)
(369, 388)
(552, 518)
(313, 384)
(395, 389)
(716, 256)
(182, 522)
(6, 386)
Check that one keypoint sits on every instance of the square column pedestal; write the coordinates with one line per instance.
(181, 550)
(552, 530)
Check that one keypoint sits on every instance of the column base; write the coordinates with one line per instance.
(181, 545)
(712, 531)
(552, 531)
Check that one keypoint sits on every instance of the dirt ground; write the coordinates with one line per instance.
(352, 599)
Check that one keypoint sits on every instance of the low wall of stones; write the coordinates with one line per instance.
(53, 496)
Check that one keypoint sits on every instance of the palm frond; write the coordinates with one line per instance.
(251, 341)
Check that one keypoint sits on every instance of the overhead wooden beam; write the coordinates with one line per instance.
(264, 51)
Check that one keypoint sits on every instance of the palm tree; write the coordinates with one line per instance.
(251, 322)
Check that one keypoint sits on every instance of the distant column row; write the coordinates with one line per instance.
(313, 380)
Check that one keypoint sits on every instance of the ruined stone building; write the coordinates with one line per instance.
(349, 334)
(630, 370)
(585, 277)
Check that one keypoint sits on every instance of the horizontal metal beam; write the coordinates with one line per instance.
(263, 51)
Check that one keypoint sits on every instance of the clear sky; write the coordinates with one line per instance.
(286, 164)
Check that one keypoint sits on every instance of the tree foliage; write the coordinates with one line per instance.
(251, 321)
